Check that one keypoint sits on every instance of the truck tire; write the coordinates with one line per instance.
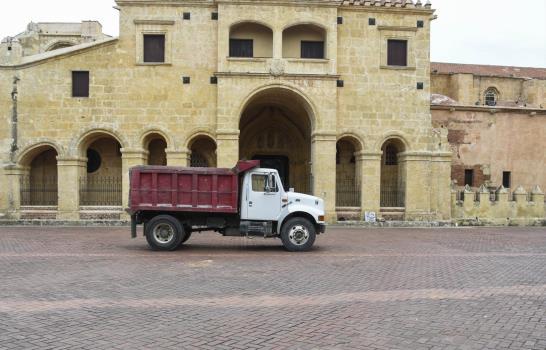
(164, 232)
(298, 234)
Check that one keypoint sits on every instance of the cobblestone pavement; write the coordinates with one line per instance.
(95, 288)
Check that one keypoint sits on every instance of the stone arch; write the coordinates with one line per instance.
(294, 33)
(38, 181)
(276, 124)
(348, 171)
(299, 95)
(155, 143)
(80, 144)
(260, 33)
(202, 149)
(61, 44)
(393, 172)
(149, 134)
(28, 152)
(394, 135)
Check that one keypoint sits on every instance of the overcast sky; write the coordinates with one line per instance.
(502, 32)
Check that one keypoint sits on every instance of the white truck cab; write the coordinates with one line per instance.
(265, 199)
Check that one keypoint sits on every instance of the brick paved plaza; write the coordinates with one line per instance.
(95, 288)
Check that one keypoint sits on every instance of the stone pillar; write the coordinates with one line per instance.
(277, 44)
(323, 175)
(129, 159)
(10, 196)
(468, 202)
(370, 181)
(416, 174)
(178, 158)
(227, 149)
(69, 172)
(537, 197)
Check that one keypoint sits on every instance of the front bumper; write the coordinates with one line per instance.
(321, 228)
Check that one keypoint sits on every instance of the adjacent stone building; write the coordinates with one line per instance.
(496, 122)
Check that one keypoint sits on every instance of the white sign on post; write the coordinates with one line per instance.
(369, 216)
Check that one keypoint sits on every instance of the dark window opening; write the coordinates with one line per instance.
(197, 160)
(154, 48)
(469, 177)
(312, 49)
(491, 97)
(506, 175)
(391, 155)
(397, 53)
(93, 161)
(241, 48)
(80, 84)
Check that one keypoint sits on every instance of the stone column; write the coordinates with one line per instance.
(10, 196)
(416, 174)
(227, 151)
(277, 44)
(69, 172)
(323, 175)
(129, 159)
(370, 181)
(178, 157)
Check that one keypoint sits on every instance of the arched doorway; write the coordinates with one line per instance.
(101, 182)
(156, 145)
(275, 128)
(393, 183)
(39, 180)
(347, 174)
(202, 152)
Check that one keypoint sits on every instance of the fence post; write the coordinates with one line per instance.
(69, 171)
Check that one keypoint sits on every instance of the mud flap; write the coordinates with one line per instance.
(133, 226)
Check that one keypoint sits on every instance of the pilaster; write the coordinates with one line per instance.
(69, 172)
(227, 150)
(370, 177)
(323, 164)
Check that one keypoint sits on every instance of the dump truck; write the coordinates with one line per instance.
(173, 202)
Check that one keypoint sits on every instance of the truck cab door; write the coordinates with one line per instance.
(263, 199)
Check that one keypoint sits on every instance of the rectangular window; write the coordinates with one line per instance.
(241, 48)
(80, 84)
(506, 179)
(397, 53)
(469, 177)
(312, 49)
(154, 48)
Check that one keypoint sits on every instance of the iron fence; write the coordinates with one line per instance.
(39, 190)
(347, 193)
(100, 190)
(392, 196)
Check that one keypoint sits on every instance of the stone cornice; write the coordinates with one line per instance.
(174, 3)
(306, 3)
(496, 109)
(398, 28)
(269, 75)
(163, 22)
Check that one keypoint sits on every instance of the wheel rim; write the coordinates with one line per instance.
(163, 233)
(298, 235)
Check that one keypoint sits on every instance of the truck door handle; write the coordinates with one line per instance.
(250, 203)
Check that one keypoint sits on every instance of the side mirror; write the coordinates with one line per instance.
(270, 184)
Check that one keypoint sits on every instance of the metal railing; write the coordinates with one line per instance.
(392, 196)
(100, 190)
(347, 193)
(39, 190)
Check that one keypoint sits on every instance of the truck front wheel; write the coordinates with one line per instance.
(298, 235)
(164, 232)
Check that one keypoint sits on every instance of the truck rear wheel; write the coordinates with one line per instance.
(164, 232)
(298, 235)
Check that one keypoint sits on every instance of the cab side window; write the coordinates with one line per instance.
(259, 184)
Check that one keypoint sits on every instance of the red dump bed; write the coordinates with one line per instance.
(161, 188)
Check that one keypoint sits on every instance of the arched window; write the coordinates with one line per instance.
(491, 96)
(391, 155)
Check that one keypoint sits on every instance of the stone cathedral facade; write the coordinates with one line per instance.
(333, 94)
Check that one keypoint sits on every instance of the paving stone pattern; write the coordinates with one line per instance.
(95, 288)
